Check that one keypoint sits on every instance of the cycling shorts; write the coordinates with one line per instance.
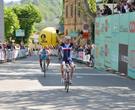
(69, 61)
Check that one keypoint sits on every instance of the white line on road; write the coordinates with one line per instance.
(56, 73)
(45, 88)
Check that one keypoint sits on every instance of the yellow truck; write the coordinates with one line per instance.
(48, 37)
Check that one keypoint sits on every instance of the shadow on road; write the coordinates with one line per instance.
(58, 99)
(29, 69)
(91, 90)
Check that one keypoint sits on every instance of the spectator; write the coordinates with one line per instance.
(9, 46)
(9, 52)
(131, 8)
(0, 46)
(123, 6)
(88, 53)
(126, 5)
(4, 51)
(122, 9)
(16, 52)
(93, 47)
(118, 7)
(22, 47)
(98, 11)
(0, 52)
(106, 10)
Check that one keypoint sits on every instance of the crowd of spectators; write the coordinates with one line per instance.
(9, 51)
(85, 52)
(123, 6)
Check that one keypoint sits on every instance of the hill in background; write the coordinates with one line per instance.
(51, 11)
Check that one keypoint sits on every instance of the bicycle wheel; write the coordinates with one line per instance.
(44, 68)
(67, 87)
(67, 82)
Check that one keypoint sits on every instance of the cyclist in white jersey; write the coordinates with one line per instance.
(66, 48)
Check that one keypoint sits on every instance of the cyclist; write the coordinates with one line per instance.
(88, 52)
(66, 48)
(44, 54)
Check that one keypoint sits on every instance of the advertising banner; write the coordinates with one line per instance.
(131, 50)
(107, 42)
(99, 40)
(124, 28)
(110, 33)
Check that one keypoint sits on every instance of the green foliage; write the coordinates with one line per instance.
(61, 20)
(51, 11)
(105, 1)
(27, 15)
(92, 5)
(11, 23)
(89, 9)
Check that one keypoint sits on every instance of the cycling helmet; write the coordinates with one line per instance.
(67, 37)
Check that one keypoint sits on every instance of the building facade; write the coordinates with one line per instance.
(74, 19)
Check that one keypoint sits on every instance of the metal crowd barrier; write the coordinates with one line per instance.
(9, 55)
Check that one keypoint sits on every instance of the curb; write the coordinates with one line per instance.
(109, 70)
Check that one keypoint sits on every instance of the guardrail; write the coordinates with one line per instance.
(81, 56)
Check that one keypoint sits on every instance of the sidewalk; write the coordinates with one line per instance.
(109, 70)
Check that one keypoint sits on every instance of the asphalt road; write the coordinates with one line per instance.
(23, 87)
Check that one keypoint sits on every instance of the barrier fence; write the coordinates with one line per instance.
(9, 55)
(81, 56)
(115, 43)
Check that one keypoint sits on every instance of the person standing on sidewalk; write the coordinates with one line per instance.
(16, 51)
(92, 54)
(1, 52)
(88, 52)
(5, 51)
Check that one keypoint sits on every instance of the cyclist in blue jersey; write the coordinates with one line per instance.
(66, 49)
(43, 55)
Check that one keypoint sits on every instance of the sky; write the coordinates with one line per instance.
(10, 0)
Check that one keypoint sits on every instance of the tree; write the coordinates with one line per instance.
(11, 23)
(90, 9)
(92, 6)
(27, 15)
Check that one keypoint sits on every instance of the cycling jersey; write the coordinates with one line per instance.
(43, 54)
(66, 52)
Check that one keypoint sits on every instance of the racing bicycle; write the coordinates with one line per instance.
(67, 72)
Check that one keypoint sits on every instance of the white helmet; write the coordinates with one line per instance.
(67, 37)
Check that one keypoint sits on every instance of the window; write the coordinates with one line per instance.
(66, 11)
(71, 10)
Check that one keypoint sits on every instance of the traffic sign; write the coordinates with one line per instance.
(20, 33)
